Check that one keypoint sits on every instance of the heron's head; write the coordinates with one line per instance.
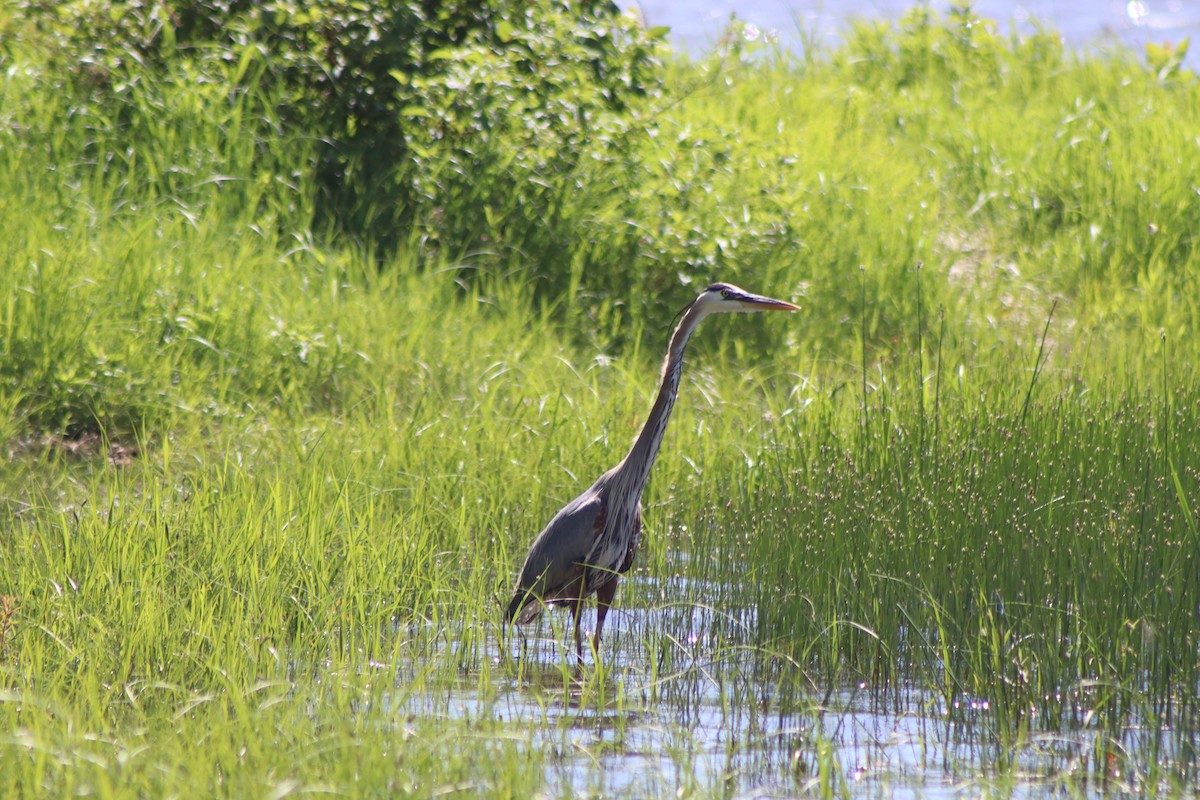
(721, 298)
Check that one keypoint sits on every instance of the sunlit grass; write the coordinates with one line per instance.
(264, 491)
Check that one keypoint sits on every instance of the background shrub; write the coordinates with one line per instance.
(421, 105)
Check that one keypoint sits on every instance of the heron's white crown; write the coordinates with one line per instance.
(726, 298)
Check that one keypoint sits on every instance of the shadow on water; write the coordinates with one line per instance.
(683, 702)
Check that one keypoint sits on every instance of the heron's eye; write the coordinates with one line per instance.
(726, 294)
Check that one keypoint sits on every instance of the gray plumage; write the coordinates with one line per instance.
(594, 538)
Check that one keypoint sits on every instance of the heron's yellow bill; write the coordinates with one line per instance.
(769, 304)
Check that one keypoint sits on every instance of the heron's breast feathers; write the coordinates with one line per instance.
(617, 534)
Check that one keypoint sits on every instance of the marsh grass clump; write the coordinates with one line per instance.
(1039, 563)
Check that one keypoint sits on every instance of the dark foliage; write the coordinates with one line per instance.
(443, 119)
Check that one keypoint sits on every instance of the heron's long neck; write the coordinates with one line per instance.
(634, 470)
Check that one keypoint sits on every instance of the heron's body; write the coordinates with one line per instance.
(590, 541)
(593, 539)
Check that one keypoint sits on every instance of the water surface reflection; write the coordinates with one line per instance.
(683, 702)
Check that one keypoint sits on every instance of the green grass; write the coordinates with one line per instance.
(339, 456)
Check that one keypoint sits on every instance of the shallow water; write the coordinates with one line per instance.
(683, 702)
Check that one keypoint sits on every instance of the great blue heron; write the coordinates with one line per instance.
(593, 539)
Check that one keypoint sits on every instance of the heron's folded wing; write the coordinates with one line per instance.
(560, 550)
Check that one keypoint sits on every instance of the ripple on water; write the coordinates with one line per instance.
(685, 701)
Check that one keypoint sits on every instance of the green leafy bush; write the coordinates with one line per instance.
(447, 118)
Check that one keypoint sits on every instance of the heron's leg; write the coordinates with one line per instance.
(576, 606)
(604, 598)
